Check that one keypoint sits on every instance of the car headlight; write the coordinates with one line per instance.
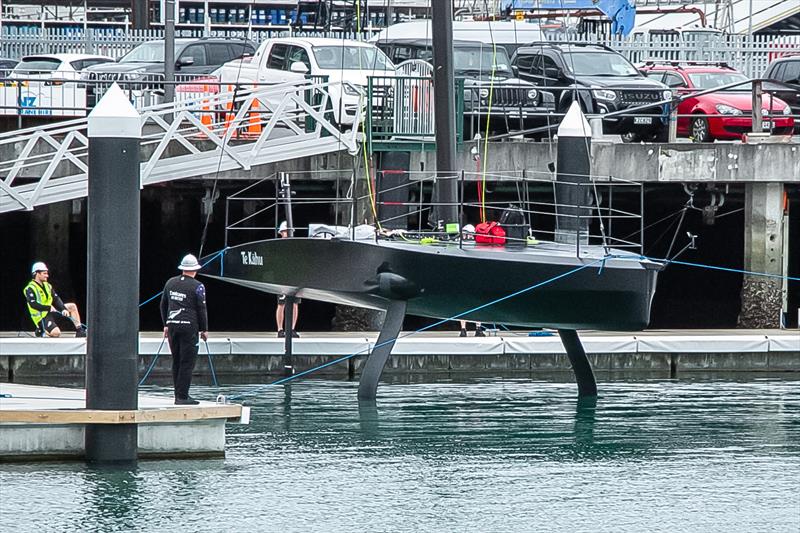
(667, 94)
(723, 109)
(604, 94)
(350, 89)
(483, 93)
(787, 110)
(133, 75)
(532, 94)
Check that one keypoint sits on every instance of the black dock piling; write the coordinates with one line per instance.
(573, 170)
(113, 275)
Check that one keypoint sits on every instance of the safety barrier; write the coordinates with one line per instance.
(398, 203)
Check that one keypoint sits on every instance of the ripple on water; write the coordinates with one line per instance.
(489, 455)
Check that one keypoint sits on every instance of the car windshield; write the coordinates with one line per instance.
(351, 58)
(711, 80)
(37, 64)
(152, 52)
(479, 59)
(599, 64)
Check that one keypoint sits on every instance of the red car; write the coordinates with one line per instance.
(719, 115)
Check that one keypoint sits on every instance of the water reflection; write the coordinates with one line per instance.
(489, 455)
(111, 496)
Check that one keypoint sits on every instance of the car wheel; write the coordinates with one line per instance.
(700, 131)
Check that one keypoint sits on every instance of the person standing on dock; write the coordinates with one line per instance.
(283, 231)
(45, 306)
(184, 314)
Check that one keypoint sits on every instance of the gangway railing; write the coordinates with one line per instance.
(204, 135)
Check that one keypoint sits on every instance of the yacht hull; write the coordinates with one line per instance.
(536, 286)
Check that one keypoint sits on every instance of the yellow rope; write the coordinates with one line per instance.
(372, 196)
(486, 133)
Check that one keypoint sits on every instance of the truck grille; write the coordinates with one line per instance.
(511, 96)
(641, 96)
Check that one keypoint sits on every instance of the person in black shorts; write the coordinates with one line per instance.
(184, 314)
(283, 231)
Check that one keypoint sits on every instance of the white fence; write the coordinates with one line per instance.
(15, 44)
(749, 54)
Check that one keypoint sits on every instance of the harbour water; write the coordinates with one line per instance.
(708, 454)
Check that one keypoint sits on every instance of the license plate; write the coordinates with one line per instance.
(642, 120)
(766, 125)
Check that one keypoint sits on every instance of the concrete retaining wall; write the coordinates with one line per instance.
(249, 367)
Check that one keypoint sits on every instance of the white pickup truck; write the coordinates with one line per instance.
(346, 64)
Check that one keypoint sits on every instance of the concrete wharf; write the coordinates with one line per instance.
(250, 355)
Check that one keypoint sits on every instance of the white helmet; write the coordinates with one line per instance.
(189, 262)
(38, 266)
(283, 227)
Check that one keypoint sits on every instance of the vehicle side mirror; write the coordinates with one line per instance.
(515, 70)
(298, 67)
(185, 62)
(552, 72)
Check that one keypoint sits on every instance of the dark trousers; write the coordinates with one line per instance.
(183, 343)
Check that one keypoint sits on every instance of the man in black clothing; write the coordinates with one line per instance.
(183, 312)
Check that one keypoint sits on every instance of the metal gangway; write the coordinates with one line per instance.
(209, 131)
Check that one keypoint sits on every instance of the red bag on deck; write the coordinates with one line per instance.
(490, 233)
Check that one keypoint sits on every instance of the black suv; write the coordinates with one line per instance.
(516, 104)
(143, 66)
(787, 70)
(602, 80)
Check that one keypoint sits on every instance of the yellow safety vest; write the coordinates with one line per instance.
(44, 295)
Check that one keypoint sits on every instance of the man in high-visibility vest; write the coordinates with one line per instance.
(45, 306)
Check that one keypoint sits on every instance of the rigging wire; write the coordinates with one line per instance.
(227, 135)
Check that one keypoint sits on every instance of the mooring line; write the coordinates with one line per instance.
(153, 363)
(219, 253)
(420, 330)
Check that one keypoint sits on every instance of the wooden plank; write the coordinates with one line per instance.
(98, 416)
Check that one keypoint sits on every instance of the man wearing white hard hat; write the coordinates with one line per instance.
(283, 232)
(45, 306)
(184, 314)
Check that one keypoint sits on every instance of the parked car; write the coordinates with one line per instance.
(508, 34)
(602, 81)
(725, 114)
(345, 64)
(6, 66)
(787, 70)
(56, 66)
(515, 104)
(143, 67)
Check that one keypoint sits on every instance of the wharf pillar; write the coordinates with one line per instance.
(762, 297)
(446, 186)
(113, 275)
(573, 170)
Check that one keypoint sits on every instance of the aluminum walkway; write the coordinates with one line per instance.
(206, 133)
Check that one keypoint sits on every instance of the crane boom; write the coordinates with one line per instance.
(622, 13)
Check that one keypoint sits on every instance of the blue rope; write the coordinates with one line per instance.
(420, 330)
(153, 363)
(213, 257)
(211, 366)
(725, 269)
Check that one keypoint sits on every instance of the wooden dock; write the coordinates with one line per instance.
(48, 423)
